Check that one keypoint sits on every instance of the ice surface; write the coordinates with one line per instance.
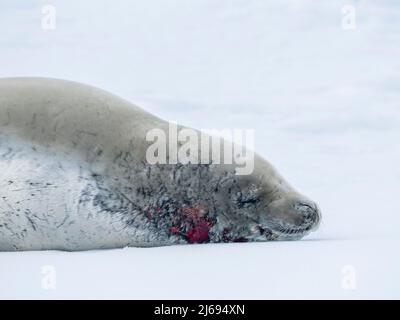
(324, 102)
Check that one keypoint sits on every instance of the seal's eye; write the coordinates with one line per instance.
(246, 200)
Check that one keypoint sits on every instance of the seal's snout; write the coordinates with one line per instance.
(291, 217)
(309, 213)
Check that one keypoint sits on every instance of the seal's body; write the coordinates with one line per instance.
(74, 176)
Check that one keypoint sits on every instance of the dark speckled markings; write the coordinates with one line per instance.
(74, 176)
(181, 202)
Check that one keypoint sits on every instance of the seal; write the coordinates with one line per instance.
(74, 176)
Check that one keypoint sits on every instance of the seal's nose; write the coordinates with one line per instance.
(310, 213)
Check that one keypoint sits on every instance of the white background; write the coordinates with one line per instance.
(324, 102)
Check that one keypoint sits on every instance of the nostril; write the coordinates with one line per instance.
(309, 212)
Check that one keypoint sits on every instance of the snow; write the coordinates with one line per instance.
(324, 103)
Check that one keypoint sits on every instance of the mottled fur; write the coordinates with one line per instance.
(73, 176)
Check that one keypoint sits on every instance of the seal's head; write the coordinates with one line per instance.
(207, 203)
(267, 208)
(290, 217)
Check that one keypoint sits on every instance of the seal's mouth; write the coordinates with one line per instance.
(279, 232)
(308, 214)
(282, 230)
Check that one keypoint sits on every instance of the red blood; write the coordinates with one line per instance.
(174, 229)
(199, 233)
(194, 213)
